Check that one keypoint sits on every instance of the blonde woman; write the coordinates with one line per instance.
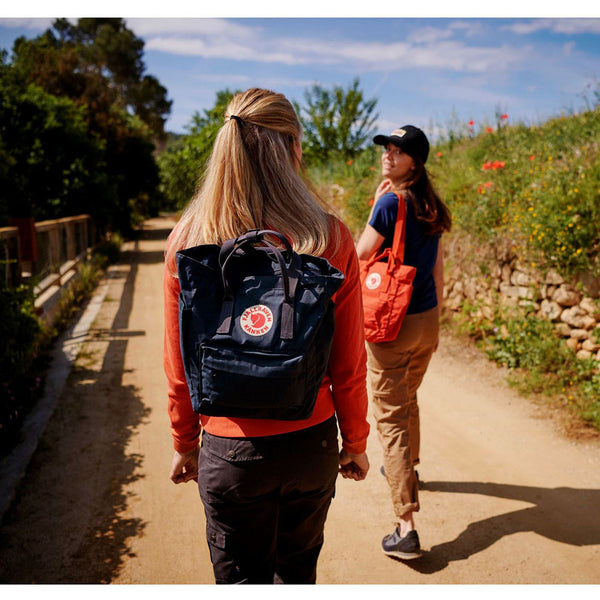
(396, 368)
(267, 485)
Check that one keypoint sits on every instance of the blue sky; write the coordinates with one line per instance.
(436, 73)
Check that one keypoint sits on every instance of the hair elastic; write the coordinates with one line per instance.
(239, 120)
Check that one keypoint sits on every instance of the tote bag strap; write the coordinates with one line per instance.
(399, 232)
(289, 273)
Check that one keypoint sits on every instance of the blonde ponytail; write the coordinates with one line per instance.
(252, 180)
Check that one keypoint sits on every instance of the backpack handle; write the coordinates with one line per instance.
(290, 274)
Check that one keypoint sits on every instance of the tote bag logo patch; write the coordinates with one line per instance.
(257, 320)
(373, 281)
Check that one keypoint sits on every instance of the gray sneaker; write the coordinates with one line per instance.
(407, 547)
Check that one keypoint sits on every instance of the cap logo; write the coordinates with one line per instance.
(373, 281)
(257, 320)
(398, 132)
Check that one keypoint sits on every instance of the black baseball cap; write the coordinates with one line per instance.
(408, 138)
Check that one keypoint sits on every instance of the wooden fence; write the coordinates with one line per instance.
(59, 246)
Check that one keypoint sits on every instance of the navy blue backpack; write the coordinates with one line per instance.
(256, 326)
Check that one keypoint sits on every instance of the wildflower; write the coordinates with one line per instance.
(489, 130)
(439, 155)
(349, 162)
(532, 157)
(504, 117)
(371, 201)
(496, 164)
(371, 168)
(471, 123)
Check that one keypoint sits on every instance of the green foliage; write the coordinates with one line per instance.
(53, 167)
(527, 342)
(336, 122)
(537, 187)
(544, 364)
(97, 61)
(349, 185)
(182, 163)
(81, 89)
(19, 331)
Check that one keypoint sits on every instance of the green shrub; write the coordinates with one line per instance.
(537, 187)
(19, 381)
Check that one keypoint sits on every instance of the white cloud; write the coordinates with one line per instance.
(262, 81)
(33, 24)
(172, 27)
(566, 26)
(220, 39)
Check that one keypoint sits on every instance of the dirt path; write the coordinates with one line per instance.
(507, 498)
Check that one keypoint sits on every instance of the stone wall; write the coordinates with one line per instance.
(488, 278)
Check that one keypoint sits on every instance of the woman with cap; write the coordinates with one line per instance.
(396, 368)
(267, 484)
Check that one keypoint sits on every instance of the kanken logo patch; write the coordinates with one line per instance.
(373, 281)
(257, 320)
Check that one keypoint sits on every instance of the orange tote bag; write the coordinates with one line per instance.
(387, 286)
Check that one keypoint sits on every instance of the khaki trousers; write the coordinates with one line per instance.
(395, 372)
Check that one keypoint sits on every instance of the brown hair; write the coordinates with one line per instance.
(428, 206)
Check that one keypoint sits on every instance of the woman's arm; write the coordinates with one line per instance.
(369, 242)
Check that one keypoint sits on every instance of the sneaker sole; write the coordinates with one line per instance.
(403, 555)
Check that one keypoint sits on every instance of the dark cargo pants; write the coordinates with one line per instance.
(266, 501)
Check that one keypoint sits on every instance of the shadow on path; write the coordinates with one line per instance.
(66, 525)
(566, 515)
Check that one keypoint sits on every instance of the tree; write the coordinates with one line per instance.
(181, 165)
(99, 62)
(336, 122)
(52, 166)
(97, 65)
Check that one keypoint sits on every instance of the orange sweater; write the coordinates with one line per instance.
(342, 392)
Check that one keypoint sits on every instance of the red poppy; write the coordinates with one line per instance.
(471, 123)
(489, 130)
(532, 157)
(349, 162)
(496, 164)
(439, 154)
(504, 117)
(371, 168)
(372, 201)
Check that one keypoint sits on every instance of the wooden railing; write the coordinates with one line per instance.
(61, 244)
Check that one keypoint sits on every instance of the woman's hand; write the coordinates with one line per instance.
(354, 466)
(383, 188)
(185, 466)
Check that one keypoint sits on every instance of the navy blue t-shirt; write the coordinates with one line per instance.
(420, 249)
